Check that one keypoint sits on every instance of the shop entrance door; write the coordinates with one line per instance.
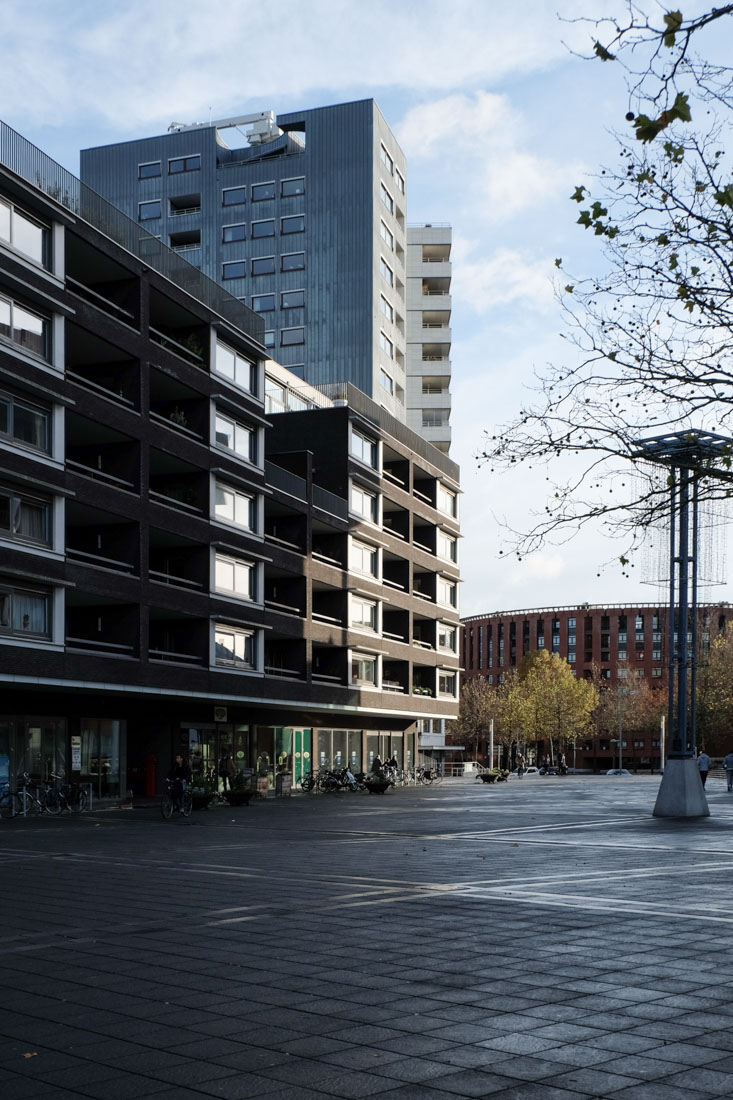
(302, 753)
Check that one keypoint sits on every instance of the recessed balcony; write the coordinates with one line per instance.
(98, 538)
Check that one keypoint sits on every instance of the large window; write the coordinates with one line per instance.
(447, 637)
(386, 272)
(386, 198)
(386, 236)
(363, 613)
(363, 448)
(233, 196)
(234, 506)
(236, 437)
(293, 224)
(363, 558)
(364, 503)
(447, 592)
(261, 191)
(386, 345)
(263, 228)
(447, 546)
(235, 648)
(447, 501)
(295, 186)
(292, 299)
(231, 233)
(263, 303)
(386, 308)
(235, 269)
(24, 612)
(446, 683)
(184, 164)
(263, 265)
(24, 423)
(23, 232)
(146, 211)
(399, 180)
(27, 329)
(363, 669)
(292, 261)
(24, 518)
(386, 381)
(235, 577)
(148, 171)
(236, 368)
(290, 336)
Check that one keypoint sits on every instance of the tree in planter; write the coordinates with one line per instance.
(652, 334)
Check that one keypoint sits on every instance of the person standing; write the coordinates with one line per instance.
(520, 765)
(703, 763)
(728, 765)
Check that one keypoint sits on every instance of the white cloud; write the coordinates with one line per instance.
(505, 276)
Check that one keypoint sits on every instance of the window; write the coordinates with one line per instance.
(363, 448)
(235, 269)
(295, 186)
(235, 367)
(231, 233)
(386, 381)
(24, 518)
(386, 198)
(447, 592)
(294, 224)
(148, 210)
(263, 265)
(236, 437)
(24, 423)
(363, 613)
(386, 236)
(363, 669)
(363, 558)
(27, 329)
(262, 191)
(234, 648)
(400, 181)
(149, 170)
(386, 308)
(24, 612)
(386, 272)
(290, 336)
(263, 228)
(263, 303)
(446, 683)
(447, 501)
(233, 506)
(292, 299)
(23, 232)
(184, 164)
(386, 345)
(364, 503)
(233, 196)
(269, 339)
(292, 261)
(656, 673)
(434, 418)
(447, 637)
(571, 624)
(236, 577)
(447, 548)
(622, 655)
(386, 160)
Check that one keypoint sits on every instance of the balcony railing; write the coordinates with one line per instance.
(96, 299)
(100, 560)
(99, 475)
(171, 578)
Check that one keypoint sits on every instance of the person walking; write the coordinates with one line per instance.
(520, 765)
(703, 763)
(728, 765)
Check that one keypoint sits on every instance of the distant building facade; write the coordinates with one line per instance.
(618, 645)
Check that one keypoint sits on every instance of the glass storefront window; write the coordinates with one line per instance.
(284, 749)
(100, 755)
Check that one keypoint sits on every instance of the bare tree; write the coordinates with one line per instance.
(651, 338)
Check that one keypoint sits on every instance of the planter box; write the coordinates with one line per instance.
(239, 798)
(378, 786)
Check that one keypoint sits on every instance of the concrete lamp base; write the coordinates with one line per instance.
(681, 794)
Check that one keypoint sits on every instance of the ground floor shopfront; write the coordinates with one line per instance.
(117, 746)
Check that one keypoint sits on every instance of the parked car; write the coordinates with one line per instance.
(527, 771)
(618, 771)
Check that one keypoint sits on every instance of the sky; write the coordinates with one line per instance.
(499, 119)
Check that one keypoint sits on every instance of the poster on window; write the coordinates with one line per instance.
(75, 753)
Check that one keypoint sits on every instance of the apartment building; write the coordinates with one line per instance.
(429, 332)
(200, 553)
(618, 645)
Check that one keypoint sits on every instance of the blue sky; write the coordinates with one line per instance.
(499, 122)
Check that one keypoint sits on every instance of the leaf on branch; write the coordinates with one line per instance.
(584, 219)
(577, 195)
(602, 52)
(673, 22)
(570, 288)
(558, 263)
(647, 128)
(725, 197)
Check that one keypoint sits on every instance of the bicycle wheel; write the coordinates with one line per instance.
(186, 803)
(166, 807)
(78, 800)
(51, 801)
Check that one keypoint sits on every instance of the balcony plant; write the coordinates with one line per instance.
(417, 690)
